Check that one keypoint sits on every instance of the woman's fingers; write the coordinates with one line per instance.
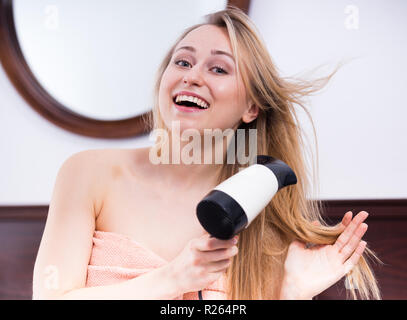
(221, 254)
(354, 258)
(347, 218)
(206, 243)
(217, 266)
(346, 235)
(353, 242)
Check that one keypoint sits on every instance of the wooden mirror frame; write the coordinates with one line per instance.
(40, 100)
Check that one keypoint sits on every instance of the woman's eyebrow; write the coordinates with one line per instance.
(213, 51)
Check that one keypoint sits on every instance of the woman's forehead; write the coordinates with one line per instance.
(206, 37)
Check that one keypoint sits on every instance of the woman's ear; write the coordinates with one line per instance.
(251, 113)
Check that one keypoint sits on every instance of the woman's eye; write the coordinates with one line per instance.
(177, 62)
(221, 69)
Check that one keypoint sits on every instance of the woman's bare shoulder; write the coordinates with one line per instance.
(102, 166)
(92, 160)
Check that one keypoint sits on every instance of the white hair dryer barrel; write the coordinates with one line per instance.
(233, 204)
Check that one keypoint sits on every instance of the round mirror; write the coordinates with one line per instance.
(89, 66)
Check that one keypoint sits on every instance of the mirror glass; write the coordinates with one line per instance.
(99, 57)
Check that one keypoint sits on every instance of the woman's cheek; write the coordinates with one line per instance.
(224, 121)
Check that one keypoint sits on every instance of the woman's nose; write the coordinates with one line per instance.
(193, 77)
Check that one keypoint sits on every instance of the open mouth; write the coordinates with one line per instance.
(190, 102)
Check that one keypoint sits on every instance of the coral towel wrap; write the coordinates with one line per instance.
(117, 258)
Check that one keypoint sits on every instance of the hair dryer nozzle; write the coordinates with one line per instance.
(220, 215)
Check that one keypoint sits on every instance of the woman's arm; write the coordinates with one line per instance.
(60, 269)
(154, 285)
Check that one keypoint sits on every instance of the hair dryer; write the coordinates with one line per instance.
(232, 205)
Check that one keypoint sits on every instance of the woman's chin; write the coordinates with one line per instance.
(179, 124)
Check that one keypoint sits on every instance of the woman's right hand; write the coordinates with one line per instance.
(201, 262)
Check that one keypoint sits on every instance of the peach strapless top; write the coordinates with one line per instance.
(117, 258)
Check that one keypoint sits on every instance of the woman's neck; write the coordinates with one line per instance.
(190, 165)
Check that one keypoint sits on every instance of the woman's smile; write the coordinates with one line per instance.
(189, 109)
(186, 101)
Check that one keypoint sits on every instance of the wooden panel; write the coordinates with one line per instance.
(21, 229)
(20, 236)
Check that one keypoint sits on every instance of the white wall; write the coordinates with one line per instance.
(359, 117)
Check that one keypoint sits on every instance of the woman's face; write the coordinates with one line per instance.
(202, 69)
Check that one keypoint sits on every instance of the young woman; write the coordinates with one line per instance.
(121, 227)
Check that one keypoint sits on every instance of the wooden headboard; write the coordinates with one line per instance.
(21, 228)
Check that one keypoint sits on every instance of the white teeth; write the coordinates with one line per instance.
(198, 101)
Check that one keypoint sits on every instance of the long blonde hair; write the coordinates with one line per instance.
(257, 271)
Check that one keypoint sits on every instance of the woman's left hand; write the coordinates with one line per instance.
(310, 271)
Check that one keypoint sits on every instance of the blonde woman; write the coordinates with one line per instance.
(122, 227)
